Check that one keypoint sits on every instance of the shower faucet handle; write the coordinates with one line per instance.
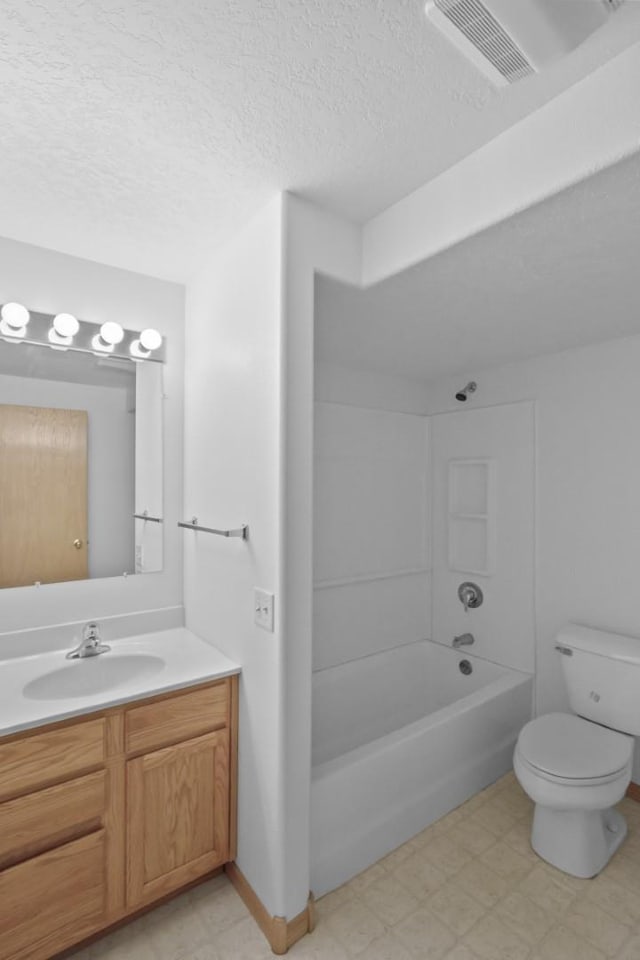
(470, 595)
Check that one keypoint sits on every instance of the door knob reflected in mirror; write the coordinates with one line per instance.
(470, 595)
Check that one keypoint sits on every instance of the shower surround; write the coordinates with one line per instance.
(405, 728)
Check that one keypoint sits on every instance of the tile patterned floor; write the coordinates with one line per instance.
(467, 888)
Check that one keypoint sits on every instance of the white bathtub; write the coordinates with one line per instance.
(399, 739)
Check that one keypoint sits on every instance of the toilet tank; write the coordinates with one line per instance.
(602, 674)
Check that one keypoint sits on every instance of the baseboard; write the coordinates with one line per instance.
(633, 791)
(280, 932)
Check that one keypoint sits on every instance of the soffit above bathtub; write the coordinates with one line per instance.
(140, 134)
(559, 275)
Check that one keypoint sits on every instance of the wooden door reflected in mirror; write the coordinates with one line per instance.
(43, 495)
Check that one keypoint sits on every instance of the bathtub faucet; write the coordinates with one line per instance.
(464, 640)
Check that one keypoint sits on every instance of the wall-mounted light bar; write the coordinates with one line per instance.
(63, 331)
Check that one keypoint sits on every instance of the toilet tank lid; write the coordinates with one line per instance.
(614, 646)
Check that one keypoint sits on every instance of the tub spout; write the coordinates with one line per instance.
(464, 640)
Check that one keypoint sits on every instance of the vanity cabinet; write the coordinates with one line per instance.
(103, 815)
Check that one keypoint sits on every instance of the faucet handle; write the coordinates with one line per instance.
(470, 595)
(90, 645)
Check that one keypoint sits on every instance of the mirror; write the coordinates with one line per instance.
(80, 465)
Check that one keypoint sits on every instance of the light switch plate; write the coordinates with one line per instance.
(263, 609)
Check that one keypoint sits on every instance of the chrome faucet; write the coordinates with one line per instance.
(91, 644)
(470, 596)
(464, 640)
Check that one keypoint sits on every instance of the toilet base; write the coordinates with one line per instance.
(578, 842)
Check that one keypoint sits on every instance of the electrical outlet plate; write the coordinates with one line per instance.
(263, 609)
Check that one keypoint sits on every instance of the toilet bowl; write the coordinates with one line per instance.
(575, 767)
(574, 771)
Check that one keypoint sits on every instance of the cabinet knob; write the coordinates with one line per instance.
(77, 544)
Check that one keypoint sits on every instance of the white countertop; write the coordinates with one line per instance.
(186, 660)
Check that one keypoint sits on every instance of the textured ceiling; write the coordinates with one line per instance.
(140, 132)
(560, 275)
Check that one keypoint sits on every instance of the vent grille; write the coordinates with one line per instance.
(481, 29)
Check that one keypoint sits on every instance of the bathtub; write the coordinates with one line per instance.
(399, 739)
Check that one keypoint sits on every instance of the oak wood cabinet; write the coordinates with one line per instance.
(177, 816)
(103, 815)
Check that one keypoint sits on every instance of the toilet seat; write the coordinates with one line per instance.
(567, 781)
(566, 749)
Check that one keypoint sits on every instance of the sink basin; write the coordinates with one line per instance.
(91, 675)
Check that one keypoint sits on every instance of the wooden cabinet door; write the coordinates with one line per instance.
(177, 815)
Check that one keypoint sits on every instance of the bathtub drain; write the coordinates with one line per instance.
(465, 667)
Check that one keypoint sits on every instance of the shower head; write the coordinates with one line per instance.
(463, 395)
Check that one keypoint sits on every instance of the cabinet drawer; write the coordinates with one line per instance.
(53, 900)
(29, 825)
(36, 761)
(177, 718)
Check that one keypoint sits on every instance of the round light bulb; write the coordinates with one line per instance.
(15, 315)
(65, 325)
(111, 332)
(150, 339)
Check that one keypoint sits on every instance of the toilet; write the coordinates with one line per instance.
(576, 767)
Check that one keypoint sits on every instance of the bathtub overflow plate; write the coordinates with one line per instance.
(465, 667)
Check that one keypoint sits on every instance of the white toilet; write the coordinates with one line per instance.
(575, 768)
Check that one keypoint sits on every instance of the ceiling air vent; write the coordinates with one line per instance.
(510, 40)
(483, 31)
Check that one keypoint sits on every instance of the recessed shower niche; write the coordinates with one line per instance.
(472, 530)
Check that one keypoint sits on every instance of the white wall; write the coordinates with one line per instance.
(315, 241)
(110, 462)
(233, 401)
(51, 282)
(371, 538)
(249, 458)
(373, 390)
(588, 477)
